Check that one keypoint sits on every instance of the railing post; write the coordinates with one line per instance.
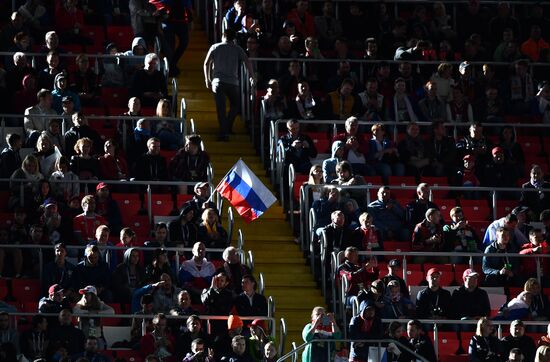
(405, 269)
(471, 262)
(499, 331)
(436, 341)
(21, 194)
(494, 202)
(539, 270)
(149, 204)
(124, 134)
(40, 262)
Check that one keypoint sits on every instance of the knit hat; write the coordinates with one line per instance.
(234, 322)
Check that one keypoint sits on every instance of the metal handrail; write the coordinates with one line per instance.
(378, 342)
(207, 318)
(308, 224)
(282, 336)
(250, 260)
(261, 283)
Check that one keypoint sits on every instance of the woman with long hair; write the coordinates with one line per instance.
(484, 346)
(211, 231)
(27, 176)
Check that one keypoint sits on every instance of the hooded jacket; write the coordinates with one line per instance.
(360, 328)
(329, 165)
(121, 276)
(87, 274)
(59, 93)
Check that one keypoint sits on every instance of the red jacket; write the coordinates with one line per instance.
(528, 266)
(303, 28)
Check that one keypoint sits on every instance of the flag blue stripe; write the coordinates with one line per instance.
(236, 183)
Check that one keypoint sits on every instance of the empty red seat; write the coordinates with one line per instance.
(30, 307)
(445, 206)
(298, 182)
(162, 204)
(437, 181)
(26, 290)
(127, 355)
(141, 226)
(402, 181)
(115, 97)
(96, 33)
(112, 321)
(121, 35)
(414, 277)
(477, 213)
(183, 198)
(373, 180)
(129, 205)
(447, 346)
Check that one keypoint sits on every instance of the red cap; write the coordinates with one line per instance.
(497, 150)
(258, 323)
(433, 271)
(100, 186)
(234, 322)
(469, 158)
(469, 273)
(55, 288)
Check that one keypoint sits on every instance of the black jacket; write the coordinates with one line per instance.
(470, 304)
(525, 343)
(258, 307)
(430, 303)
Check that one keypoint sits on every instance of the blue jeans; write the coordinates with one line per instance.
(231, 91)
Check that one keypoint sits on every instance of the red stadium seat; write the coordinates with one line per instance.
(414, 277)
(112, 321)
(477, 213)
(454, 358)
(402, 181)
(129, 205)
(114, 97)
(26, 290)
(298, 182)
(437, 181)
(162, 204)
(140, 225)
(30, 307)
(373, 180)
(127, 355)
(445, 206)
(122, 36)
(447, 346)
(97, 34)
(183, 198)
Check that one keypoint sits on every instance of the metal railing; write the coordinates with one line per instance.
(308, 224)
(208, 318)
(293, 355)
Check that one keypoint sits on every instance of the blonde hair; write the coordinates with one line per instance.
(159, 111)
(81, 142)
(480, 324)
(28, 160)
(542, 354)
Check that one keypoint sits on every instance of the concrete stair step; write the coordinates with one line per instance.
(278, 277)
(291, 269)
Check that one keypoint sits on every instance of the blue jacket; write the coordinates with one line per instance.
(493, 264)
(329, 165)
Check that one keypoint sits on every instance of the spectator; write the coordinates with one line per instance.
(93, 271)
(533, 46)
(112, 164)
(355, 146)
(484, 346)
(190, 162)
(337, 236)
(34, 342)
(372, 102)
(366, 235)
(34, 122)
(67, 336)
(164, 293)
(346, 177)
(394, 273)
(413, 151)
(194, 331)
(402, 107)
(536, 201)
(218, 300)
(149, 84)
(366, 325)
(10, 158)
(395, 332)
(428, 235)
(388, 216)
(250, 303)
(84, 81)
(358, 276)
(459, 235)
(128, 276)
(200, 201)
(459, 110)
(542, 102)
(83, 164)
(420, 341)
(499, 173)
(467, 177)
(327, 27)
(396, 306)
(441, 150)
(221, 74)
(327, 203)
(29, 172)
(510, 221)
(299, 148)
(159, 265)
(416, 210)
(517, 339)
(47, 154)
(8, 335)
(107, 207)
(62, 187)
(329, 165)
(151, 166)
(306, 104)
(184, 307)
(142, 132)
(432, 109)
(196, 273)
(536, 245)
(323, 326)
(55, 302)
(470, 301)
(342, 103)
(198, 352)
(274, 104)
(81, 130)
(302, 19)
(14, 79)
(59, 271)
(540, 307)
(343, 73)
(500, 271)
(522, 87)
(183, 229)
(233, 269)
(211, 230)
(433, 302)
(383, 155)
(112, 72)
(61, 91)
(445, 82)
(160, 341)
(84, 225)
(167, 131)
(238, 351)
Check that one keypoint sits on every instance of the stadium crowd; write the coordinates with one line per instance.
(48, 98)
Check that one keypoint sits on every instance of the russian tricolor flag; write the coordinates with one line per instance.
(244, 190)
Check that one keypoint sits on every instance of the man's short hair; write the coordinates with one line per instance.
(510, 218)
(149, 57)
(12, 138)
(229, 34)
(545, 215)
(42, 93)
(151, 140)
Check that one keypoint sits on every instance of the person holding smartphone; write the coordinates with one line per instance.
(322, 326)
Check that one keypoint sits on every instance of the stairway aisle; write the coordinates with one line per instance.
(287, 277)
